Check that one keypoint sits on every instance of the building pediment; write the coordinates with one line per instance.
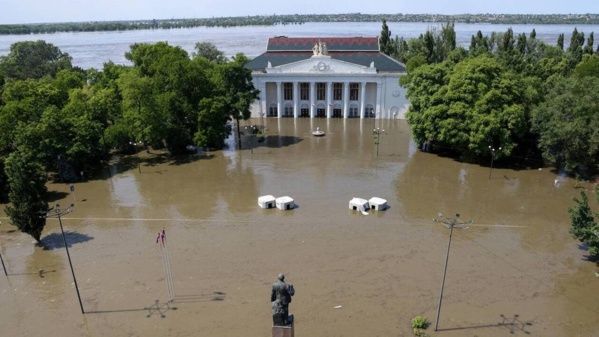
(320, 64)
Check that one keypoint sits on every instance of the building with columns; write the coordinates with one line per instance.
(327, 78)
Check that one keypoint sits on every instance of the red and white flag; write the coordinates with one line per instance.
(161, 237)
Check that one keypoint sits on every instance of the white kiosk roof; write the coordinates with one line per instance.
(266, 198)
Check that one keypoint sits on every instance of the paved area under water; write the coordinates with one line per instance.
(514, 271)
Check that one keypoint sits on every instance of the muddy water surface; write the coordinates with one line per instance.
(515, 271)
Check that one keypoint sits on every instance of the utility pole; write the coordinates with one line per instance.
(449, 223)
(58, 212)
(1, 259)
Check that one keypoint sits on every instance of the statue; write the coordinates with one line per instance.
(323, 49)
(280, 296)
(316, 49)
(320, 49)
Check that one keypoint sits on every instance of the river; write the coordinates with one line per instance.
(93, 49)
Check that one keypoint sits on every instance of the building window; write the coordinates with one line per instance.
(337, 112)
(304, 91)
(288, 110)
(369, 111)
(337, 91)
(288, 91)
(321, 91)
(272, 110)
(353, 111)
(353, 91)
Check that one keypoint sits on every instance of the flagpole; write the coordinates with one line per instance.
(164, 265)
(168, 288)
(169, 270)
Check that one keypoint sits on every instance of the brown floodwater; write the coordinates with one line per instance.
(514, 271)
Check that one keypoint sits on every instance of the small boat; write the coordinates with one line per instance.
(318, 133)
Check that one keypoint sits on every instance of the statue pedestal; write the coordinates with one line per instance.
(284, 331)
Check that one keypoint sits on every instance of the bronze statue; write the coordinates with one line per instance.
(280, 296)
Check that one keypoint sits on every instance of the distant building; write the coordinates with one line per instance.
(327, 78)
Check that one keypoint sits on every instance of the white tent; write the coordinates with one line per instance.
(285, 203)
(358, 204)
(377, 204)
(266, 201)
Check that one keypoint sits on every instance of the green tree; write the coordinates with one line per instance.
(27, 194)
(385, 42)
(25, 101)
(234, 87)
(67, 79)
(403, 50)
(213, 128)
(469, 106)
(33, 59)
(209, 51)
(588, 49)
(584, 227)
(588, 67)
(479, 44)
(567, 123)
(139, 108)
(447, 40)
(575, 48)
(174, 87)
(560, 41)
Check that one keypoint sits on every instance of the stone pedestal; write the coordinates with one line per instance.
(284, 331)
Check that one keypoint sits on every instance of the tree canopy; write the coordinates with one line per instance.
(567, 123)
(33, 59)
(584, 227)
(468, 106)
(61, 120)
(508, 90)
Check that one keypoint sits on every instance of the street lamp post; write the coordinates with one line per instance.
(377, 132)
(449, 223)
(492, 159)
(58, 212)
(1, 259)
(252, 129)
(136, 154)
(374, 116)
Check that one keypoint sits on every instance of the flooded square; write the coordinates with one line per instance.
(515, 271)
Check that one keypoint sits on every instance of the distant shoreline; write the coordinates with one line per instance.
(271, 20)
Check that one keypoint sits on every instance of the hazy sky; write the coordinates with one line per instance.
(36, 11)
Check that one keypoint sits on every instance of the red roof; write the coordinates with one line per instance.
(283, 43)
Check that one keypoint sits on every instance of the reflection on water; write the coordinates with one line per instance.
(125, 191)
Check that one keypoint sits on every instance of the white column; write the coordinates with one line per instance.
(295, 99)
(263, 99)
(312, 99)
(362, 98)
(279, 112)
(378, 99)
(329, 99)
(384, 112)
(345, 99)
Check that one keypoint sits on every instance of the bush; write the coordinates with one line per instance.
(419, 323)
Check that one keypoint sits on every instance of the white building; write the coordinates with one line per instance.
(327, 78)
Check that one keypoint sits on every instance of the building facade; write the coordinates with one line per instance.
(327, 78)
